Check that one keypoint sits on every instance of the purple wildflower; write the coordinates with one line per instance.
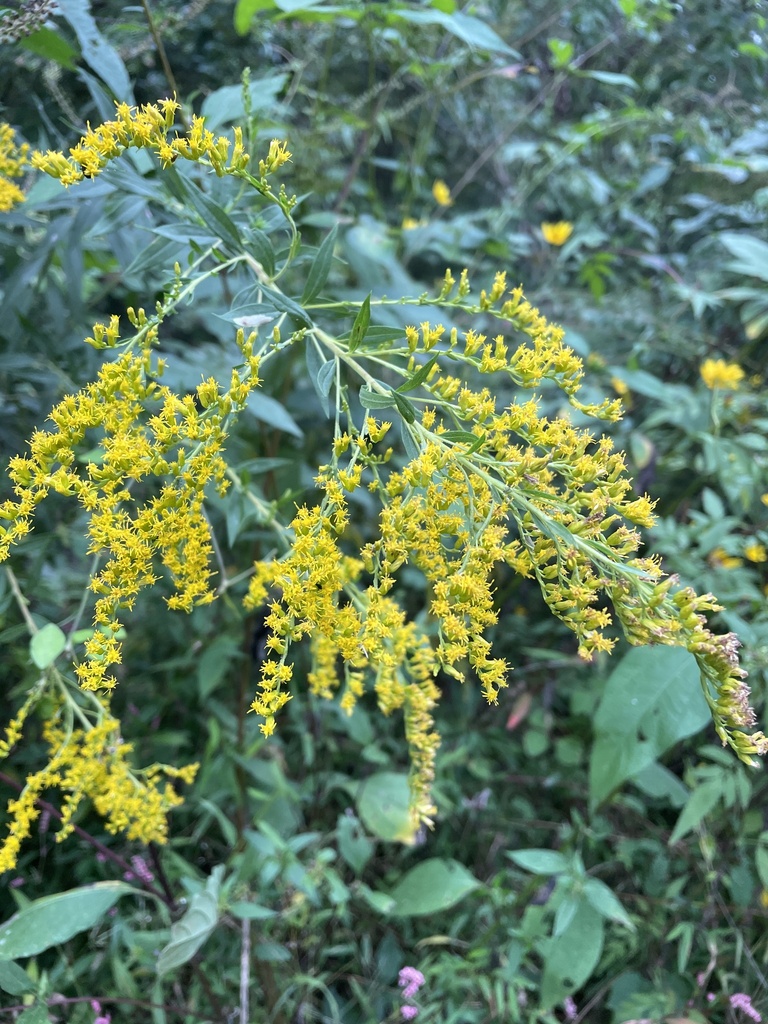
(569, 1006)
(141, 869)
(741, 1001)
(410, 981)
(408, 1012)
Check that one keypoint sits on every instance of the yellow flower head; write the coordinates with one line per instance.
(754, 551)
(719, 559)
(442, 193)
(716, 373)
(557, 234)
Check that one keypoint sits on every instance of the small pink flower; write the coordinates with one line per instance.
(408, 1012)
(141, 869)
(569, 1006)
(410, 981)
(741, 1001)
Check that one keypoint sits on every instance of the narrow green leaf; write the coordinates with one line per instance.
(97, 52)
(321, 267)
(606, 903)
(374, 399)
(360, 326)
(47, 644)
(418, 378)
(700, 803)
(540, 862)
(260, 247)
(404, 407)
(55, 919)
(285, 305)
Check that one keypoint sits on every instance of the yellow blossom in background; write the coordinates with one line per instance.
(755, 551)
(719, 559)
(716, 373)
(557, 233)
(409, 223)
(442, 193)
(13, 159)
(764, 499)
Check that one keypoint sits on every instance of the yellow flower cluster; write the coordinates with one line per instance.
(92, 764)
(13, 159)
(178, 443)
(486, 487)
(716, 373)
(148, 127)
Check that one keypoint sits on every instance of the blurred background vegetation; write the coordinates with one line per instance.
(433, 134)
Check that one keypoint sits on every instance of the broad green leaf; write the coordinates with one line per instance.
(194, 928)
(246, 10)
(383, 804)
(360, 326)
(55, 919)
(432, 886)
(52, 46)
(14, 980)
(225, 105)
(354, 845)
(651, 701)
(47, 644)
(606, 903)
(540, 862)
(269, 410)
(321, 266)
(571, 957)
(700, 803)
(751, 254)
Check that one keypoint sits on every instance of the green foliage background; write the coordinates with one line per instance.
(592, 842)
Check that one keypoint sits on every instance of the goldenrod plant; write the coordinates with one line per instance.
(464, 487)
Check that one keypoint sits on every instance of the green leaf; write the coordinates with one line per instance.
(37, 1014)
(418, 379)
(55, 919)
(700, 803)
(246, 10)
(194, 928)
(540, 862)
(561, 51)
(46, 645)
(251, 911)
(269, 410)
(610, 78)
(210, 213)
(751, 253)
(383, 804)
(14, 980)
(285, 305)
(378, 901)
(360, 326)
(571, 957)
(432, 886)
(321, 267)
(405, 408)
(468, 29)
(260, 247)
(98, 54)
(606, 903)
(374, 399)
(50, 45)
(651, 701)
